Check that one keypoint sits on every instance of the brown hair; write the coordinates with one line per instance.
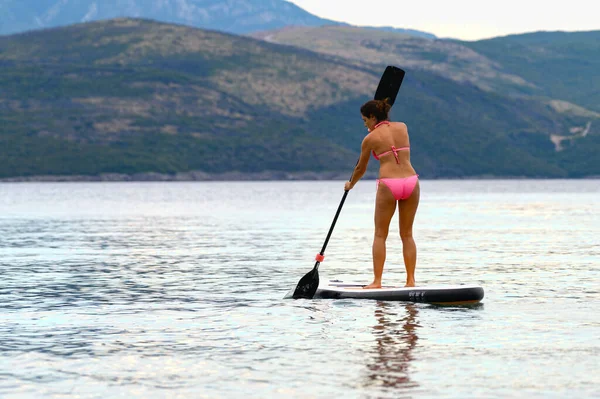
(380, 109)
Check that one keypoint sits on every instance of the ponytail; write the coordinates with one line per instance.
(380, 109)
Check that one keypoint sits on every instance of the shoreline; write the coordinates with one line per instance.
(239, 176)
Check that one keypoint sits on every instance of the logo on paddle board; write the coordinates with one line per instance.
(416, 295)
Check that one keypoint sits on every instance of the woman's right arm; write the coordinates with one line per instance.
(361, 165)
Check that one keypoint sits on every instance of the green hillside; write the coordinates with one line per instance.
(547, 92)
(131, 96)
(562, 65)
(449, 59)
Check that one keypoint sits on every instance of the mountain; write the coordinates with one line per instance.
(410, 32)
(449, 59)
(557, 65)
(556, 70)
(561, 65)
(132, 96)
(233, 16)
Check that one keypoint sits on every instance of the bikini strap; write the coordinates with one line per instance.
(395, 152)
(380, 123)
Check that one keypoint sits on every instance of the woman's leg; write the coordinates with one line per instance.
(385, 206)
(408, 210)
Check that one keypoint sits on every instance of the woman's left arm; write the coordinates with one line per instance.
(361, 165)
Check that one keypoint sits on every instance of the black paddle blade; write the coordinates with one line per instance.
(389, 85)
(307, 286)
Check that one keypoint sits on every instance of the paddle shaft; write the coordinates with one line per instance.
(335, 218)
(383, 92)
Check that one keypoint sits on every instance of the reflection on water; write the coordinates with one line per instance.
(395, 333)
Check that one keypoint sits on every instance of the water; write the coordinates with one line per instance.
(154, 290)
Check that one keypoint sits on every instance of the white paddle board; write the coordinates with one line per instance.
(441, 294)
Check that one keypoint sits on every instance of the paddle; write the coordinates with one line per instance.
(388, 87)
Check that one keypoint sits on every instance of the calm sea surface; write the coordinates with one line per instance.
(174, 290)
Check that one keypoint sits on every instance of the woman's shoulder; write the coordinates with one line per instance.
(399, 124)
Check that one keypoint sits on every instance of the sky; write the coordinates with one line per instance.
(461, 19)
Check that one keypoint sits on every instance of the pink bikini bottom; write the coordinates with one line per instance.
(401, 188)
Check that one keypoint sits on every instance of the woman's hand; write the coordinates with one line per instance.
(348, 186)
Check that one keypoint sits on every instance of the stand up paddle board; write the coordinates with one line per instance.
(443, 294)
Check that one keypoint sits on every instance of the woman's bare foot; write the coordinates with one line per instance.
(410, 284)
(372, 285)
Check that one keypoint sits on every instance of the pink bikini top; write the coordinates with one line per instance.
(394, 150)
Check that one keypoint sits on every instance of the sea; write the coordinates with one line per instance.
(176, 290)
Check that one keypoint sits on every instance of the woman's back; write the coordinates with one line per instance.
(390, 144)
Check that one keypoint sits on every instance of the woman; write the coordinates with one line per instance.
(398, 183)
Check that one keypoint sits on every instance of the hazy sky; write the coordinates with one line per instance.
(462, 19)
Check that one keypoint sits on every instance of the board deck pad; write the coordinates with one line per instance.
(441, 294)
